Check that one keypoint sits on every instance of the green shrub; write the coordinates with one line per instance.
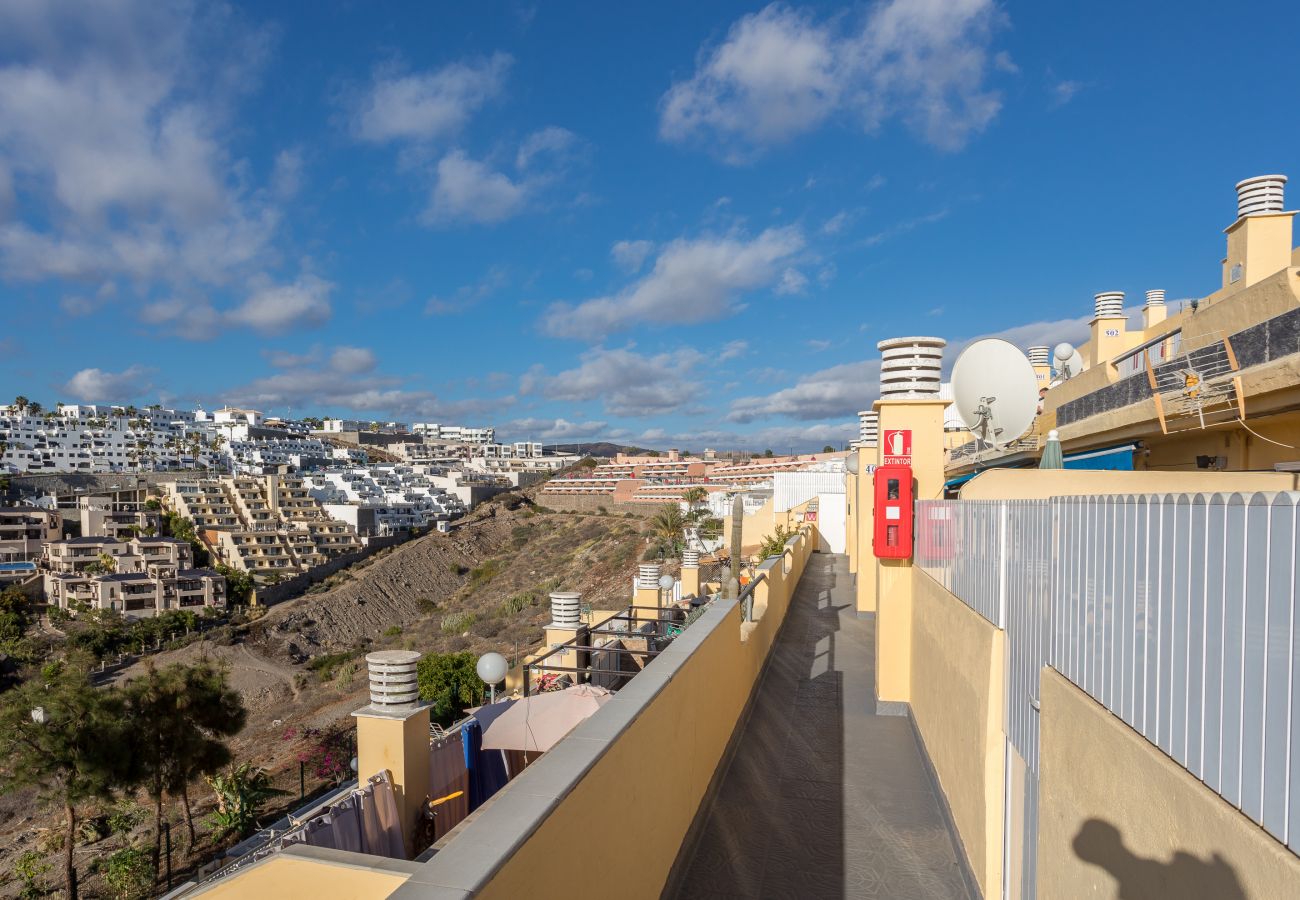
(481, 575)
(129, 873)
(457, 568)
(124, 817)
(29, 867)
(393, 631)
(450, 682)
(458, 623)
(325, 665)
(512, 606)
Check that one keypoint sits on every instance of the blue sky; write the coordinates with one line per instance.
(671, 224)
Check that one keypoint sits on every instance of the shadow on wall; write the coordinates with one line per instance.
(1185, 876)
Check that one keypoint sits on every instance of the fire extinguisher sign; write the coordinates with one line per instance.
(898, 447)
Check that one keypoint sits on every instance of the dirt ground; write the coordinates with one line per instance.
(481, 587)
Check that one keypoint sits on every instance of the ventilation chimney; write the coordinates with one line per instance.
(1109, 305)
(690, 559)
(1260, 196)
(565, 609)
(868, 428)
(393, 681)
(647, 578)
(690, 573)
(909, 367)
(1154, 311)
(1040, 357)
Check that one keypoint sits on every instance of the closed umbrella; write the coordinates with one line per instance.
(538, 722)
(1052, 452)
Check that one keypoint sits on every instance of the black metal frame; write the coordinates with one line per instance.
(601, 628)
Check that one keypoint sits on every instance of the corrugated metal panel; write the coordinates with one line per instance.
(792, 488)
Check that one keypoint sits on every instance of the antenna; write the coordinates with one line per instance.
(1068, 361)
(995, 391)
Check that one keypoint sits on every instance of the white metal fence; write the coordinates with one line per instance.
(960, 544)
(1175, 612)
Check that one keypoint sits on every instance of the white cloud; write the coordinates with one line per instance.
(345, 380)
(98, 386)
(275, 309)
(733, 349)
(781, 73)
(286, 177)
(630, 256)
(112, 125)
(839, 391)
(195, 320)
(904, 227)
(352, 360)
(692, 281)
(555, 430)
(428, 105)
(792, 282)
(468, 190)
(627, 383)
(469, 295)
(551, 141)
(1062, 92)
(835, 224)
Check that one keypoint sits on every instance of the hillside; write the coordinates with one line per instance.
(299, 665)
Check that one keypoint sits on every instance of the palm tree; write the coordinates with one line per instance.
(669, 523)
(22, 403)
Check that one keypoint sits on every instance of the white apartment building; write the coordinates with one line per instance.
(80, 439)
(269, 526)
(455, 434)
(139, 578)
(383, 499)
(258, 457)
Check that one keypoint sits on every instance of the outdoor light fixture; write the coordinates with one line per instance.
(492, 670)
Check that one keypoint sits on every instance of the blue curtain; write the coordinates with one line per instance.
(486, 768)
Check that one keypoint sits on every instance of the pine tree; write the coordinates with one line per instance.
(66, 739)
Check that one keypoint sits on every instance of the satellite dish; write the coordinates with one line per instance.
(1068, 361)
(995, 391)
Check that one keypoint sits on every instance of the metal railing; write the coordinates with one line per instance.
(1178, 613)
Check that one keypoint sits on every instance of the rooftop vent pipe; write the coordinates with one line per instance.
(1109, 305)
(868, 427)
(1040, 356)
(1155, 298)
(565, 609)
(648, 576)
(909, 367)
(690, 559)
(1260, 195)
(393, 681)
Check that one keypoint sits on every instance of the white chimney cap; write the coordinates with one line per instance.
(1260, 196)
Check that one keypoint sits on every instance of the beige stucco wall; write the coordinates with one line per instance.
(303, 873)
(957, 689)
(1107, 793)
(1037, 484)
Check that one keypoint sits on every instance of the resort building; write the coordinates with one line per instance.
(139, 577)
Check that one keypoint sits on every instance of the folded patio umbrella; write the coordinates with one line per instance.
(1052, 452)
(538, 722)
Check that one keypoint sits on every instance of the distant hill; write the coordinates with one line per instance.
(600, 448)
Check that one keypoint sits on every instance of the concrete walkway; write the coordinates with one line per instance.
(823, 798)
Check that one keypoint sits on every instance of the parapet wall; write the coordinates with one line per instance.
(624, 787)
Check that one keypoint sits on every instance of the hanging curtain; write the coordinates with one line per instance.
(487, 770)
(447, 775)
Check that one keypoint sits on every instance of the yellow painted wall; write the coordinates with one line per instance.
(695, 713)
(285, 876)
(1037, 484)
(1109, 795)
(958, 676)
(894, 576)
(400, 747)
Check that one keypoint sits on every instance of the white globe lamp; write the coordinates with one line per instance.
(492, 668)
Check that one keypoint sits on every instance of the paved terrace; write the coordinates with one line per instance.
(823, 798)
